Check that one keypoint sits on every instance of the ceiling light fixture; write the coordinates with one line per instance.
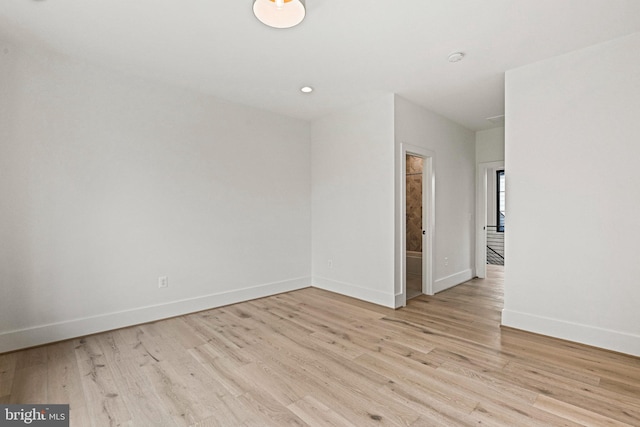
(306, 89)
(456, 57)
(279, 13)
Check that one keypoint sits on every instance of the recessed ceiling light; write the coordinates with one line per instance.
(306, 89)
(456, 57)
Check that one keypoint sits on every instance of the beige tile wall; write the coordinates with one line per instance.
(414, 203)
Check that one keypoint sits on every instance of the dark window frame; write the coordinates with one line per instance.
(499, 221)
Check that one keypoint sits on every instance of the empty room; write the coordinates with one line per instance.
(319, 213)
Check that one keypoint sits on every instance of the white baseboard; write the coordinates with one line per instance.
(43, 334)
(622, 342)
(400, 301)
(452, 280)
(348, 289)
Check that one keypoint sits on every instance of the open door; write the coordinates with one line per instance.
(414, 223)
(418, 221)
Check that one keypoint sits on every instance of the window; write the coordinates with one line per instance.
(500, 193)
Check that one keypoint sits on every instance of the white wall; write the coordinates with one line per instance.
(572, 151)
(489, 149)
(490, 145)
(108, 182)
(353, 201)
(454, 167)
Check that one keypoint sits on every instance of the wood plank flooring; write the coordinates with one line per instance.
(315, 358)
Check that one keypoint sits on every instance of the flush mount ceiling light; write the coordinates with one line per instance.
(456, 57)
(279, 13)
(306, 89)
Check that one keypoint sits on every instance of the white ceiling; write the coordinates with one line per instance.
(348, 50)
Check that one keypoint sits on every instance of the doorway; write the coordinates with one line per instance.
(496, 213)
(413, 224)
(490, 214)
(417, 221)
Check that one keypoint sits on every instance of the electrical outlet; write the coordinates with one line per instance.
(446, 261)
(163, 282)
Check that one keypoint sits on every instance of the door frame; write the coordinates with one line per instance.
(428, 216)
(481, 215)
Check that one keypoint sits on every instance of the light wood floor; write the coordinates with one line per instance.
(414, 285)
(315, 358)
